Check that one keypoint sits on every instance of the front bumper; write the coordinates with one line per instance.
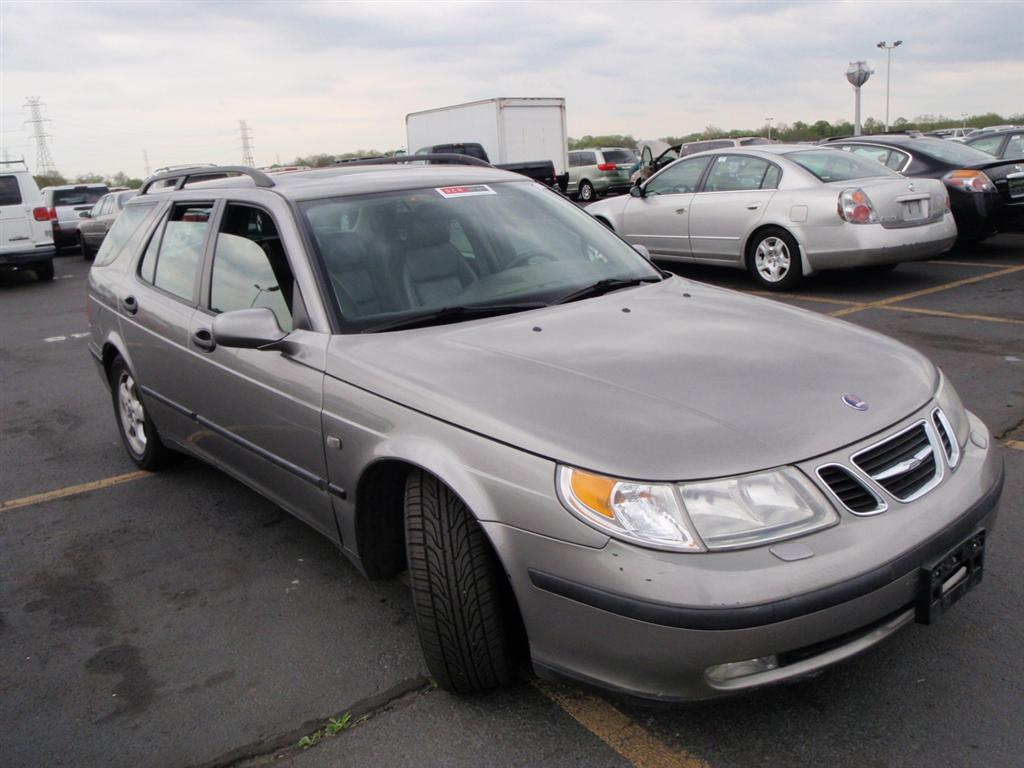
(650, 624)
(865, 245)
(27, 258)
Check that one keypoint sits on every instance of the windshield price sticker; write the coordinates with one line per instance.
(465, 191)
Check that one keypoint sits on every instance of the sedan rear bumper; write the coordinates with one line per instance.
(865, 245)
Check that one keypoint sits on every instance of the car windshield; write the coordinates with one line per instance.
(508, 246)
(951, 152)
(832, 165)
(83, 196)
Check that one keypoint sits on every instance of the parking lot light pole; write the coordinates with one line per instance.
(857, 74)
(963, 119)
(769, 120)
(888, 71)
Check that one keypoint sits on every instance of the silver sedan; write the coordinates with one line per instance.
(783, 212)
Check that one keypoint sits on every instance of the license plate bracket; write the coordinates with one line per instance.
(914, 210)
(948, 578)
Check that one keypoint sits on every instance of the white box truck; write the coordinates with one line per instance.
(518, 134)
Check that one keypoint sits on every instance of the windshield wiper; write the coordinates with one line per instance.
(452, 314)
(604, 286)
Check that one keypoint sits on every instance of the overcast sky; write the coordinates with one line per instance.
(174, 78)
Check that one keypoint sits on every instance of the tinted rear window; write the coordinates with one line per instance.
(832, 165)
(86, 196)
(618, 156)
(10, 193)
(951, 152)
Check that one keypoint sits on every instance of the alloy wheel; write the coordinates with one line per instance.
(772, 259)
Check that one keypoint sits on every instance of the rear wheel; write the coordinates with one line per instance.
(87, 252)
(773, 258)
(138, 433)
(44, 272)
(462, 600)
(586, 191)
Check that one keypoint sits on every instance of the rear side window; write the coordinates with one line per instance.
(10, 192)
(1015, 147)
(732, 173)
(84, 196)
(128, 227)
(250, 268)
(989, 144)
(174, 253)
(832, 165)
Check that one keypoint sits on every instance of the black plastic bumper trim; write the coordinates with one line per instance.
(749, 616)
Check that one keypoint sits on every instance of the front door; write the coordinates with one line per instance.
(659, 220)
(259, 411)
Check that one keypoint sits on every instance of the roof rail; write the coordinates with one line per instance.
(184, 176)
(14, 162)
(435, 157)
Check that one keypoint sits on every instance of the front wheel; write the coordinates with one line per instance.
(87, 252)
(586, 191)
(44, 272)
(773, 258)
(462, 600)
(137, 431)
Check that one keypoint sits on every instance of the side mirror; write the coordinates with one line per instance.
(636, 190)
(642, 250)
(247, 329)
(85, 214)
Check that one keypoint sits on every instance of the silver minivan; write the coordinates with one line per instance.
(595, 172)
(452, 370)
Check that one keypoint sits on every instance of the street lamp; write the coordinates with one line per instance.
(769, 120)
(888, 70)
(963, 117)
(857, 74)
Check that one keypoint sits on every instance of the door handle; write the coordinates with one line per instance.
(753, 206)
(680, 210)
(203, 339)
(130, 305)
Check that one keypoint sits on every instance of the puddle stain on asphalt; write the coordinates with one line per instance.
(135, 691)
(75, 598)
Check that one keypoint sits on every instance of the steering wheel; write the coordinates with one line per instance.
(528, 258)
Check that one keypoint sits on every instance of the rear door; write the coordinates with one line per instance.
(731, 202)
(155, 306)
(15, 216)
(660, 219)
(261, 410)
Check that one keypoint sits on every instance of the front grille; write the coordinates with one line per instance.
(945, 433)
(904, 464)
(850, 491)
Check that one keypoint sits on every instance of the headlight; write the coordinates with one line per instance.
(730, 513)
(956, 414)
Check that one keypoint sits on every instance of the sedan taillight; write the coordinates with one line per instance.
(855, 207)
(969, 180)
(607, 167)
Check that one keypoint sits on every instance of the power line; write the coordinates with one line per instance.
(246, 143)
(44, 161)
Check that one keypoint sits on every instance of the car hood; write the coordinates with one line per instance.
(671, 381)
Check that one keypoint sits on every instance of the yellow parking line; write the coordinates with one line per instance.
(927, 291)
(1017, 445)
(71, 490)
(966, 263)
(801, 297)
(957, 315)
(627, 737)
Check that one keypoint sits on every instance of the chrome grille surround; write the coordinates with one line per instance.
(946, 437)
(905, 464)
(880, 504)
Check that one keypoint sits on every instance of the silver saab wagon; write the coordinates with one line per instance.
(452, 370)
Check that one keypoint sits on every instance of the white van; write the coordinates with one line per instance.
(26, 233)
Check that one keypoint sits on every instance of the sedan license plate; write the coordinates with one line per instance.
(1016, 187)
(947, 579)
(914, 210)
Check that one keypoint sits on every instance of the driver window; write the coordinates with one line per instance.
(681, 178)
(249, 266)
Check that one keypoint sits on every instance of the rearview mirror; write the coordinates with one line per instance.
(636, 190)
(642, 250)
(247, 329)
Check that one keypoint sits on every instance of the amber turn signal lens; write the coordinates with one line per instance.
(595, 491)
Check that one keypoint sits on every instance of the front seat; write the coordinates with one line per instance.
(355, 276)
(431, 270)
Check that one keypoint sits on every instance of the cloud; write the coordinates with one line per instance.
(174, 78)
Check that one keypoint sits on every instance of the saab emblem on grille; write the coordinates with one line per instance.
(855, 402)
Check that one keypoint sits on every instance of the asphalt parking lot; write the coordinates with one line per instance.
(178, 619)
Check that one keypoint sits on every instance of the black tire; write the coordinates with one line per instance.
(586, 193)
(152, 455)
(44, 272)
(462, 600)
(779, 245)
(87, 252)
(877, 269)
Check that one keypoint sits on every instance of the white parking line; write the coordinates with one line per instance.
(80, 335)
